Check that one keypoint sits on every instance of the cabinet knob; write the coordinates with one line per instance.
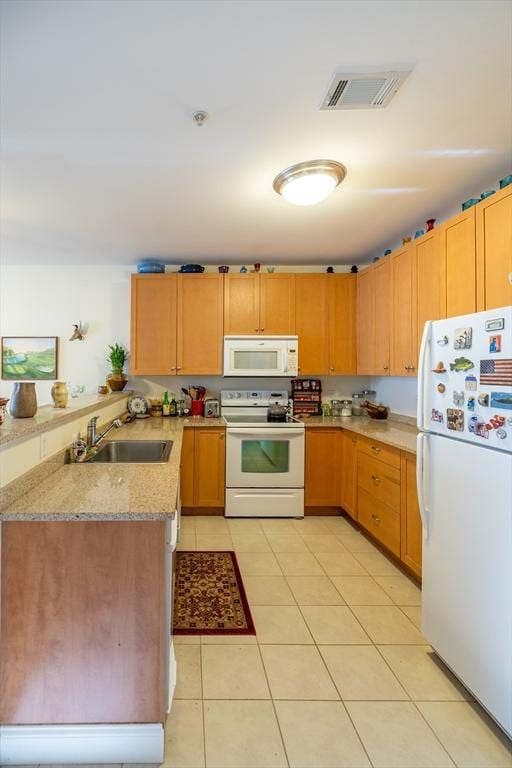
(261, 330)
(375, 449)
(406, 367)
(179, 368)
(173, 368)
(221, 436)
(332, 367)
(376, 519)
(412, 367)
(376, 479)
(257, 330)
(386, 367)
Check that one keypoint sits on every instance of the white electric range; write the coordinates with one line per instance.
(264, 459)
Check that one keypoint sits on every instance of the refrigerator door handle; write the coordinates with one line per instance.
(422, 362)
(420, 483)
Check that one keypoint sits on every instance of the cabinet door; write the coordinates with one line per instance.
(241, 304)
(321, 487)
(312, 323)
(494, 250)
(365, 322)
(459, 255)
(209, 467)
(348, 473)
(411, 528)
(430, 280)
(200, 324)
(381, 317)
(403, 313)
(187, 468)
(277, 304)
(153, 325)
(342, 324)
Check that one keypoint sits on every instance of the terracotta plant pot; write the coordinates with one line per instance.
(117, 381)
(23, 401)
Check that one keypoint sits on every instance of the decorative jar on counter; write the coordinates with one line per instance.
(357, 403)
(23, 400)
(60, 394)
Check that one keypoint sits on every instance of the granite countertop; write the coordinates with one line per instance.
(48, 417)
(395, 433)
(111, 491)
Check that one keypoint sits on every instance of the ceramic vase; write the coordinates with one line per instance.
(60, 394)
(23, 400)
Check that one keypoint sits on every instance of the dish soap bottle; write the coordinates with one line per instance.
(166, 406)
(173, 407)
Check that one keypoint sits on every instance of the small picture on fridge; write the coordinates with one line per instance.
(455, 419)
(463, 338)
(494, 344)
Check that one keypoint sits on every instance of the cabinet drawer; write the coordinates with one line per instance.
(380, 480)
(379, 520)
(380, 451)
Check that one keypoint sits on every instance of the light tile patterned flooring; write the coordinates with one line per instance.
(338, 675)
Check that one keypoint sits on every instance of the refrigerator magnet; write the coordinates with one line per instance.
(494, 344)
(483, 399)
(439, 368)
(497, 324)
(455, 419)
(461, 364)
(471, 403)
(471, 383)
(501, 433)
(443, 342)
(497, 421)
(458, 397)
(437, 416)
(496, 372)
(441, 388)
(463, 338)
(501, 400)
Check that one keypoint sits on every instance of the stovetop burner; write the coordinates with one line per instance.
(280, 419)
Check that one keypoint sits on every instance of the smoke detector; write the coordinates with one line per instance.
(370, 90)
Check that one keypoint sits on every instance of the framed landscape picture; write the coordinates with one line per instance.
(29, 358)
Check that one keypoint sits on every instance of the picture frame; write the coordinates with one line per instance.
(29, 358)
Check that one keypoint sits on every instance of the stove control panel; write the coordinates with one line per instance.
(258, 398)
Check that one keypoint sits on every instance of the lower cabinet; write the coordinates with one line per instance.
(378, 497)
(348, 472)
(203, 461)
(321, 486)
(411, 531)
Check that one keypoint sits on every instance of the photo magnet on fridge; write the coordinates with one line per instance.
(471, 403)
(483, 399)
(437, 416)
(495, 325)
(455, 419)
(471, 383)
(501, 400)
(494, 344)
(458, 397)
(463, 338)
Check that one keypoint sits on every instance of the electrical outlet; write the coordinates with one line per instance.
(43, 446)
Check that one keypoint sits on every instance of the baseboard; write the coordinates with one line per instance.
(50, 744)
(322, 511)
(202, 511)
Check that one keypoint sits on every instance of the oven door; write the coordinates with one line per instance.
(265, 458)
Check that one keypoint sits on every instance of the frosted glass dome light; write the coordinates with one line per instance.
(309, 183)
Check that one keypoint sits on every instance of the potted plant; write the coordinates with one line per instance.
(117, 380)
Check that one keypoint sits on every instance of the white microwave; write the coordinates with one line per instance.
(261, 356)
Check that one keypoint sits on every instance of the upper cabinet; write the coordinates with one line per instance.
(459, 255)
(166, 312)
(382, 315)
(312, 323)
(403, 352)
(373, 319)
(430, 280)
(494, 250)
(259, 304)
(326, 323)
(153, 325)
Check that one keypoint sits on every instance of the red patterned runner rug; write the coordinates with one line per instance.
(209, 596)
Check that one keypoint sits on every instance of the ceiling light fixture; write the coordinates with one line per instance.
(309, 183)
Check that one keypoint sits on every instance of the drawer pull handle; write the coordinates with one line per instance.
(376, 519)
(376, 479)
(375, 449)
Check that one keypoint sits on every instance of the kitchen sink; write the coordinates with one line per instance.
(134, 452)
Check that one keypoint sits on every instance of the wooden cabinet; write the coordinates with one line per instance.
(347, 452)
(494, 250)
(259, 304)
(169, 313)
(411, 533)
(365, 322)
(378, 492)
(312, 323)
(430, 280)
(321, 488)
(381, 314)
(153, 325)
(200, 324)
(403, 352)
(342, 324)
(203, 463)
(458, 247)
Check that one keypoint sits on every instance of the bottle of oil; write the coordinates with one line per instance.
(173, 407)
(166, 405)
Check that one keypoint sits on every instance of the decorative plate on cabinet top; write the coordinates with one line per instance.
(138, 406)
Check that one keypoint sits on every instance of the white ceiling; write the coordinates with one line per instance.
(102, 162)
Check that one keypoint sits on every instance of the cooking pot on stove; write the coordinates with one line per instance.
(277, 412)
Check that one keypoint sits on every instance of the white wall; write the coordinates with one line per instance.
(398, 393)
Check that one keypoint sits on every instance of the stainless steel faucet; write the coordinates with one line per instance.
(93, 439)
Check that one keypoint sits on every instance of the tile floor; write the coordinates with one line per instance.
(338, 675)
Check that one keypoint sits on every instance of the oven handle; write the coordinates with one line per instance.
(259, 431)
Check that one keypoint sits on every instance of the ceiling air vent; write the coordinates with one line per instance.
(363, 91)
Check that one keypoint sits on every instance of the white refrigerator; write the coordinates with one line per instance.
(464, 478)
